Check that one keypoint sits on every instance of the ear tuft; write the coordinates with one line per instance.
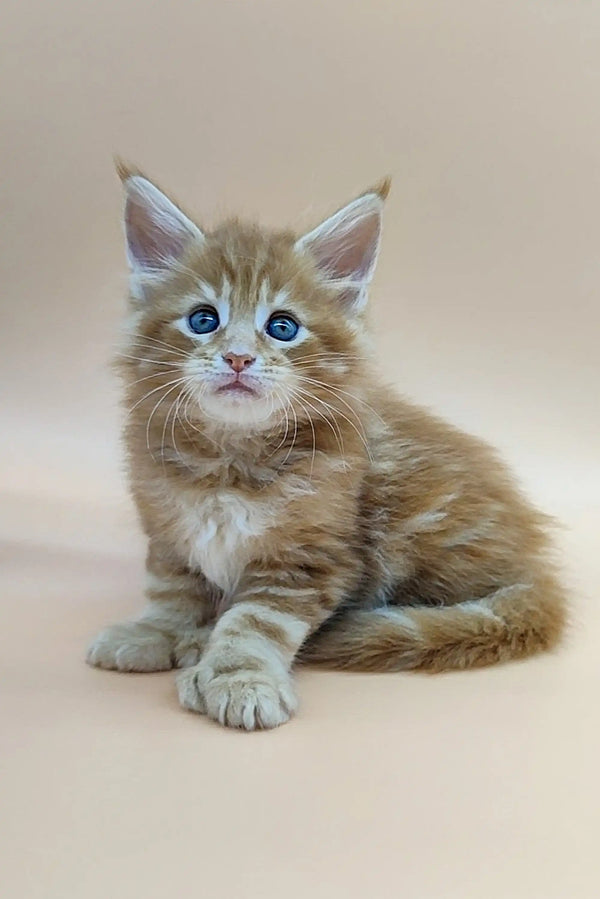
(158, 233)
(382, 188)
(345, 246)
(125, 169)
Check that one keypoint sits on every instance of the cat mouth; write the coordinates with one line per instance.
(237, 388)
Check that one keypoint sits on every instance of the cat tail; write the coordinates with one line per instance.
(511, 623)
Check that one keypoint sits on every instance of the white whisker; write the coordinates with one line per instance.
(362, 435)
(285, 406)
(336, 390)
(293, 438)
(143, 359)
(162, 343)
(331, 422)
(312, 428)
(150, 392)
(328, 355)
(176, 384)
(156, 374)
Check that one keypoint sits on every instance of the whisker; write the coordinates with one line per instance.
(333, 357)
(332, 423)
(153, 347)
(314, 445)
(312, 428)
(176, 418)
(335, 390)
(142, 359)
(190, 397)
(155, 340)
(161, 400)
(156, 374)
(167, 360)
(155, 390)
(362, 435)
(195, 394)
(184, 396)
(162, 440)
(293, 438)
(158, 348)
(285, 407)
(330, 354)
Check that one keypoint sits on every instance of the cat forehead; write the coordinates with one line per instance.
(245, 261)
(250, 296)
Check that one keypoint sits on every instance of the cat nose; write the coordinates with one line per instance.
(239, 363)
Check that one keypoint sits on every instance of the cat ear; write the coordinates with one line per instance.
(345, 246)
(157, 232)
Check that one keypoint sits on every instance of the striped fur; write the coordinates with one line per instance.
(313, 515)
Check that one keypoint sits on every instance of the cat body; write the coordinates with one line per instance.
(295, 508)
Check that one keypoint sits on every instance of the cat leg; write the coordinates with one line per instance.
(244, 677)
(171, 632)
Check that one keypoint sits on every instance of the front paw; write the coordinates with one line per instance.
(131, 646)
(190, 647)
(252, 700)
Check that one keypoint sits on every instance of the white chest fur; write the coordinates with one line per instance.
(215, 531)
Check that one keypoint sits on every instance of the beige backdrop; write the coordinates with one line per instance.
(486, 302)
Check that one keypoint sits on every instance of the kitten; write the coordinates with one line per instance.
(295, 508)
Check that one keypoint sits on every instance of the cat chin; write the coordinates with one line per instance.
(239, 411)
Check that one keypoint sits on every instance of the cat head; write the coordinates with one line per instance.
(241, 323)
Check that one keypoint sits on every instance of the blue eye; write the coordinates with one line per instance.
(204, 320)
(282, 327)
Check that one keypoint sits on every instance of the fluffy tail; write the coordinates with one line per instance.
(511, 623)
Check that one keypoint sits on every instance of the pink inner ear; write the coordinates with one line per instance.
(157, 231)
(149, 244)
(345, 247)
(350, 249)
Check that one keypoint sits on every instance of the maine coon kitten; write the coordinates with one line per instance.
(295, 508)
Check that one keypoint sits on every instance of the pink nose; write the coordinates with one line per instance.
(238, 363)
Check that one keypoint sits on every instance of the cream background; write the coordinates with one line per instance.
(486, 302)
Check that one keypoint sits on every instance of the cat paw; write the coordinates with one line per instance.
(190, 647)
(251, 700)
(131, 646)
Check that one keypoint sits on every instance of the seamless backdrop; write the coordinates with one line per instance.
(485, 303)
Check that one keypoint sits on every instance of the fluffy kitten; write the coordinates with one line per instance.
(295, 508)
